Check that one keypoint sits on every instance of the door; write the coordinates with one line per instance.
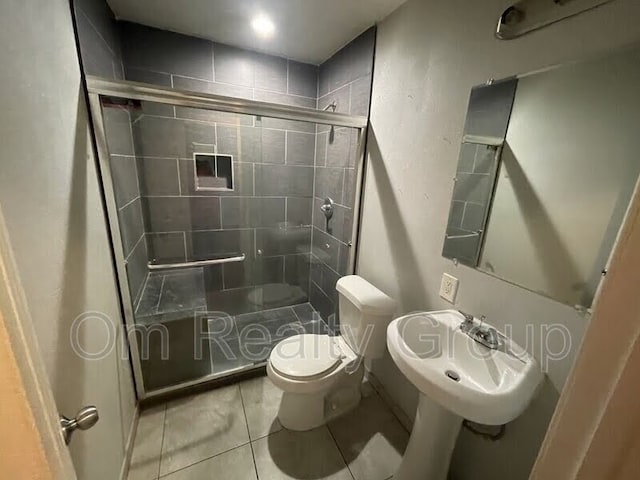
(49, 196)
(31, 443)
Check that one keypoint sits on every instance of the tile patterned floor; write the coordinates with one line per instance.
(233, 433)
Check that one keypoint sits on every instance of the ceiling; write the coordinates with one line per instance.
(305, 30)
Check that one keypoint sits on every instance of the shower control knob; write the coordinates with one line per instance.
(327, 208)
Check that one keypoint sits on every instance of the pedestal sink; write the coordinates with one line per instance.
(457, 378)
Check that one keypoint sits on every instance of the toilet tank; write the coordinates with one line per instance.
(365, 313)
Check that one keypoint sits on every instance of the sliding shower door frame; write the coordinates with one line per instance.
(120, 261)
(98, 88)
(208, 101)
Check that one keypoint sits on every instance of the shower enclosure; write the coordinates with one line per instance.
(230, 219)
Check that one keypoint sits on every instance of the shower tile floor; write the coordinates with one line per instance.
(208, 337)
(170, 293)
(233, 433)
(210, 343)
(167, 294)
(251, 336)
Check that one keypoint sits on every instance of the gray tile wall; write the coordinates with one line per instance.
(268, 215)
(170, 59)
(346, 80)
(124, 172)
(100, 52)
(283, 169)
(99, 39)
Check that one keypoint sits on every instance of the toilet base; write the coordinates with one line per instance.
(306, 411)
(301, 411)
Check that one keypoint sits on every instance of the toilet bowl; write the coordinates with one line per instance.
(320, 375)
(274, 295)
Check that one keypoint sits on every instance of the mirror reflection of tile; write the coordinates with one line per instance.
(485, 129)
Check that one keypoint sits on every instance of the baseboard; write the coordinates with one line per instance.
(402, 417)
(124, 470)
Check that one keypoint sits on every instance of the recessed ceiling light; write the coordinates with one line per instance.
(263, 26)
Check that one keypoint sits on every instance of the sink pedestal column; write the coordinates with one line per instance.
(431, 444)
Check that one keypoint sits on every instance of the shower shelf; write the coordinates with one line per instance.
(197, 263)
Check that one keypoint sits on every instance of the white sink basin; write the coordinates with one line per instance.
(458, 378)
(493, 387)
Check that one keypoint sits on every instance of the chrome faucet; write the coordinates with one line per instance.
(487, 336)
(468, 324)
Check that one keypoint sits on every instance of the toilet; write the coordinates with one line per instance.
(321, 375)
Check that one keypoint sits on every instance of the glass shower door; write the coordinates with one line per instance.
(224, 249)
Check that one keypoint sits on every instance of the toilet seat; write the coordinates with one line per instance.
(306, 357)
(296, 369)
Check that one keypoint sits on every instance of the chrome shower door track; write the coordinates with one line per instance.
(184, 98)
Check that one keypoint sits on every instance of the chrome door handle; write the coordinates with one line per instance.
(84, 420)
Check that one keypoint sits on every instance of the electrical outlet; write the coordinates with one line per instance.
(449, 288)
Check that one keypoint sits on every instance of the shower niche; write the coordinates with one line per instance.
(213, 172)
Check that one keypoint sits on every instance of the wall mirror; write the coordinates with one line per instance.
(547, 167)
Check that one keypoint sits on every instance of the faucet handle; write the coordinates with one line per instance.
(467, 324)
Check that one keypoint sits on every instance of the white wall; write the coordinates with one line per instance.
(49, 196)
(429, 55)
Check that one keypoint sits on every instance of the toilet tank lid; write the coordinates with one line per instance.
(366, 297)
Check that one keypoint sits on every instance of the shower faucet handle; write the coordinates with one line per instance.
(327, 207)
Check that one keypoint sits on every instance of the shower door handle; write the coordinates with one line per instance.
(197, 263)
